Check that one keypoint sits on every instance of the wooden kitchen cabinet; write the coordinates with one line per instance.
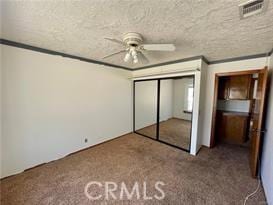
(232, 127)
(239, 87)
(235, 87)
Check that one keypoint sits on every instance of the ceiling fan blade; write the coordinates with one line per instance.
(116, 41)
(116, 53)
(143, 58)
(159, 47)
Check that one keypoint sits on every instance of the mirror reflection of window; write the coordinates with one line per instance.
(189, 98)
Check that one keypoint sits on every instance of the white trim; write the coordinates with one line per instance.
(166, 75)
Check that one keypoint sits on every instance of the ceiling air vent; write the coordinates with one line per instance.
(252, 7)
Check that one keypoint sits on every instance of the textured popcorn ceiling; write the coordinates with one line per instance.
(201, 27)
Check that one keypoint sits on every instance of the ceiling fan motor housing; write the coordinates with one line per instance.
(132, 39)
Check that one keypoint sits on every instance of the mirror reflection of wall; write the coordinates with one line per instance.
(175, 110)
(146, 107)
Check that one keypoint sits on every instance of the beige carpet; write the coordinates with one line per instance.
(174, 131)
(215, 176)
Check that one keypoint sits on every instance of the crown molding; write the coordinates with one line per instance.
(51, 52)
(239, 58)
(270, 52)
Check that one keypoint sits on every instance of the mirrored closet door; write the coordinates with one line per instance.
(176, 103)
(163, 110)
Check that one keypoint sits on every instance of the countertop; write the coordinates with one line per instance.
(246, 114)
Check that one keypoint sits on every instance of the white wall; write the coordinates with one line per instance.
(51, 104)
(1, 148)
(166, 99)
(145, 103)
(251, 64)
(267, 154)
(179, 97)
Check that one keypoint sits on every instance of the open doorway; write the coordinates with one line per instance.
(238, 111)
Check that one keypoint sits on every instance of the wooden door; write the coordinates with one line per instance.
(223, 88)
(257, 122)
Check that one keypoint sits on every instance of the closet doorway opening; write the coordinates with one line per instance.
(163, 110)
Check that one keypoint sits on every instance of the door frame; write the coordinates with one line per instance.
(158, 108)
(215, 96)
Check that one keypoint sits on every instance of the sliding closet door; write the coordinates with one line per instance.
(176, 103)
(145, 108)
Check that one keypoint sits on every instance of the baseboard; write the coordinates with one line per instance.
(180, 119)
(265, 191)
(81, 150)
(72, 153)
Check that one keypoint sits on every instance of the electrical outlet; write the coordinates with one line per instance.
(85, 140)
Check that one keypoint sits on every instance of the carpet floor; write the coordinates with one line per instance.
(215, 176)
(173, 131)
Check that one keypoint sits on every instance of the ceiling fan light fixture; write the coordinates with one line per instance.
(127, 57)
(133, 52)
(135, 60)
(134, 48)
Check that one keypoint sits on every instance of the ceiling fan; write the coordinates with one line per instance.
(134, 47)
